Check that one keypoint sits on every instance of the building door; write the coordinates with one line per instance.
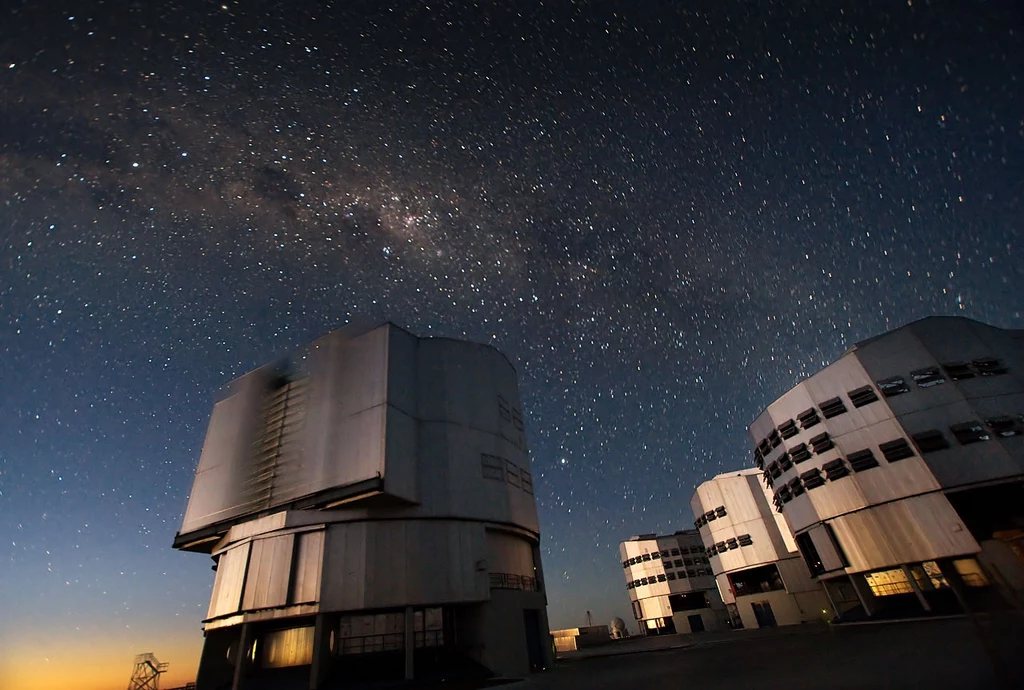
(534, 644)
(763, 614)
(696, 623)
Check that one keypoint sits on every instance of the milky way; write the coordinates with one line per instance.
(666, 214)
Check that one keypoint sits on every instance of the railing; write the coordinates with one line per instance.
(513, 581)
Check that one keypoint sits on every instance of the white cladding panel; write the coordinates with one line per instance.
(305, 586)
(218, 488)
(509, 553)
(270, 566)
(921, 528)
(227, 586)
(398, 563)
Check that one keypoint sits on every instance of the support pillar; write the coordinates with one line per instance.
(242, 664)
(863, 592)
(909, 574)
(318, 669)
(410, 642)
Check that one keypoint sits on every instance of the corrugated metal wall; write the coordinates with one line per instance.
(227, 587)
(270, 565)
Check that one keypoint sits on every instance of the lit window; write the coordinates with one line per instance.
(886, 583)
(862, 460)
(788, 429)
(865, 395)
(970, 572)
(969, 432)
(896, 450)
(927, 377)
(808, 418)
(894, 386)
(930, 441)
(832, 408)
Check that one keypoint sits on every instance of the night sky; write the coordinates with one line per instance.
(664, 213)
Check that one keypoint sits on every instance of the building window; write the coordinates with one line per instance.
(678, 563)
(504, 410)
(511, 473)
(969, 432)
(492, 466)
(796, 487)
(691, 573)
(927, 377)
(808, 418)
(664, 554)
(799, 453)
(774, 439)
(1006, 425)
(720, 546)
(745, 540)
(681, 575)
(988, 366)
(862, 460)
(710, 515)
(782, 496)
(645, 557)
(527, 481)
(661, 577)
(643, 581)
(675, 552)
(836, 469)
(629, 585)
(810, 554)
(832, 408)
(865, 395)
(885, 583)
(756, 580)
(732, 543)
(812, 479)
(671, 576)
(970, 572)
(688, 602)
(773, 470)
(764, 446)
(720, 511)
(930, 441)
(958, 371)
(894, 386)
(788, 429)
(821, 443)
(517, 419)
(896, 450)
(785, 463)
(758, 458)
(625, 564)
(636, 583)
(688, 561)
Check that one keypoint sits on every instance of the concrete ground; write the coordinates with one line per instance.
(932, 654)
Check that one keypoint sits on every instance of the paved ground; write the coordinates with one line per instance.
(929, 654)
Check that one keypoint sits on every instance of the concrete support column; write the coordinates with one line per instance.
(410, 642)
(321, 652)
(242, 664)
(909, 574)
(864, 593)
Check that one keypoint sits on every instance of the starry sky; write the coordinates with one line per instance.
(664, 213)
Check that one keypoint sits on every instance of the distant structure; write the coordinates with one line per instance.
(899, 468)
(573, 639)
(146, 672)
(671, 585)
(758, 569)
(369, 509)
(618, 629)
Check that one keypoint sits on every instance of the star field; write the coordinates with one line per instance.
(665, 214)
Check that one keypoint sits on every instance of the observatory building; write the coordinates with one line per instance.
(369, 509)
(762, 578)
(899, 468)
(670, 583)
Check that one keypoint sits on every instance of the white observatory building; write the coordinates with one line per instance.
(369, 510)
